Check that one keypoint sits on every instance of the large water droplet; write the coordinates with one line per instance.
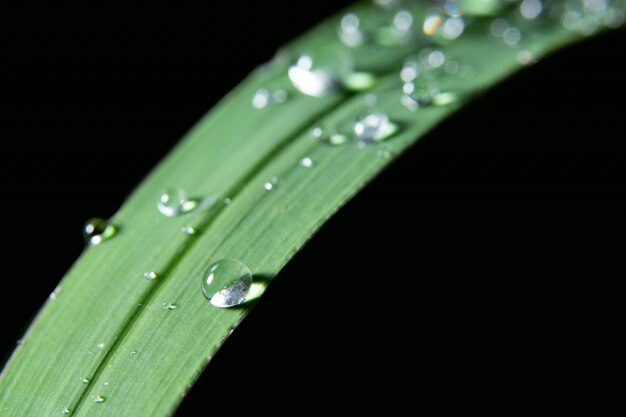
(174, 202)
(226, 283)
(98, 399)
(372, 127)
(265, 98)
(98, 230)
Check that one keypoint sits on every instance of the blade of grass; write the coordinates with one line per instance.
(108, 325)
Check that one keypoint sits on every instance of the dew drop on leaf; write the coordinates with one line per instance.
(150, 275)
(98, 230)
(174, 202)
(226, 283)
(98, 399)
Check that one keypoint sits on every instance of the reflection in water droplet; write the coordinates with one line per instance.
(169, 306)
(313, 82)
(98, 230)
(373, 127)
(188, 230)
(98, 399)
(66, 410)
(150, 275)
(226, 283)
(306, 162)
(174, 202)
(530, 9)
(264, 98)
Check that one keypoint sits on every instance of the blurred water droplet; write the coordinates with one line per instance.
(226, 283)
(227, 201)
(54, 294)
(101, 345)
(66, 410)
(402, 22)
(410, 71)
(169, 306)
(265, 98)
(313, 82)
(531, 9)
(268, 186)
(84, 380)
(498, 27)
(419, 93)
(349, 31)
(328, 136)
(19, 342)
(98, 399)
(525, 57)
(106, 384)
(372, 127)
(98, 230)
(453, 28)
(133, 352)
(359, 81)
(151, 275)
(188, 230)
(306, 162)
(174, 202)
(512, 36)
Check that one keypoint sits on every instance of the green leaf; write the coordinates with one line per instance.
(111, 342)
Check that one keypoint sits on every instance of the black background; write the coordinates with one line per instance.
(492, 232)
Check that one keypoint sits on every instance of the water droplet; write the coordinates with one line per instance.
(313, 82)
(174, 202)
(226, 283)
(150, 275)
(98, 230)
(383, 153)
(498, 27)
(98, 399)
(106, 384)
(349, 31)
(359, 81)
(419, 93)
(331, 137)
(435, 59)
(19, 342)
(227, 201)
(442, 26)
(531, 9)
(101, 345)
(265, 98)
(525, 57)
(84, 380)
(133, 352)
(54, 294)
(512, 36)
(268, 186)
(188, 230)
(402, 22)
(410, 71)
(372, 127)
(169, 306)
(66, 410)
(453, 28)
(306, 162)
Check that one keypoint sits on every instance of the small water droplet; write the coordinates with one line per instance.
(188, 230)
(359, 81)
(530, 9)
(525, 57)
(169, 306)
(20, 342)
(106, 384)
(419, 93)
(441, 25)
(227, 201)
(66, 410)
(372, 127)
(512, 36)
(150, 275)
(84, 380)
(331, 137)
(98, 230)
(265, 98)
(410, 71)
(174, 202)
(498, 27)
(268, 186)
(54, 294)
(383, 153)
(98, 399)
(306, 162)
(349, 31)
(133, 352)
(226, 283)
(101, 345)
(315, 82)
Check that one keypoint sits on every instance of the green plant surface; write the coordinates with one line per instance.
(105, 334)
